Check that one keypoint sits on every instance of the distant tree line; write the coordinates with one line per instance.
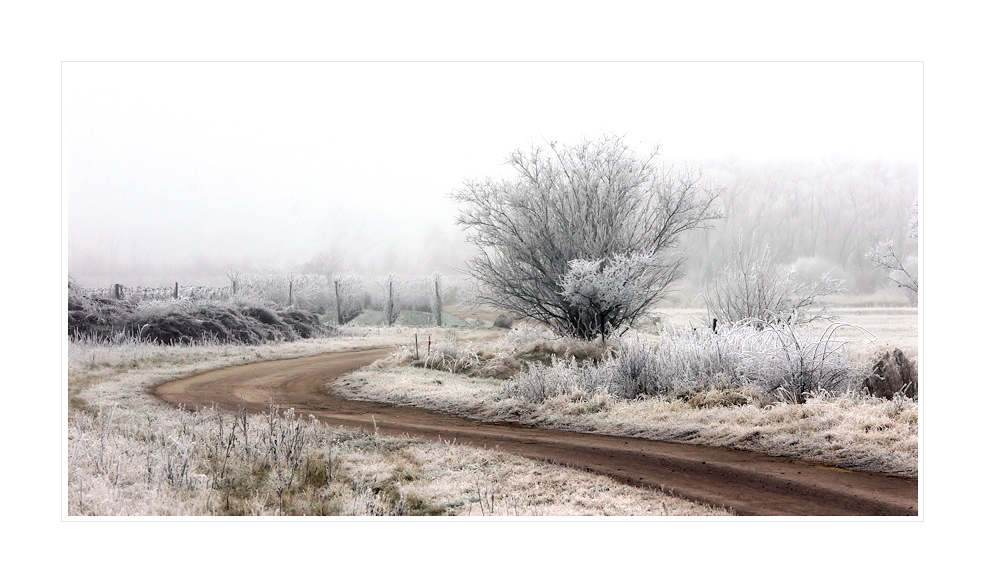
(818, 217)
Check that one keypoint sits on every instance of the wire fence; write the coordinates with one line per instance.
(142, 293)
(346, 294)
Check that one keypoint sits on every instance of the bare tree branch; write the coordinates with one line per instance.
(900, 270)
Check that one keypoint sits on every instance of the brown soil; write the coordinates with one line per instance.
(749, 483)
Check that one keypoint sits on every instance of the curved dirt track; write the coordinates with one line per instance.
(749, 483)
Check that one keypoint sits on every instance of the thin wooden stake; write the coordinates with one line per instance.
(437, 302)
(389, 307)
(338, 305)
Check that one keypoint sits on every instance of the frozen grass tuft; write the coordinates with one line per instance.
(564, 377)
(453, 357)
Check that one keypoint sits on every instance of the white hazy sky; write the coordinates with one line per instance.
(173, 163)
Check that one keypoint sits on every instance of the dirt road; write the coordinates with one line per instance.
(749, 483)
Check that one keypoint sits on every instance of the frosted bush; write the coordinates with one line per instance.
(785, 364)
(794, 368)
(563, 377)
(525, 334)
(701, 360)
(634, 372)
(609, 294)
(754, 287)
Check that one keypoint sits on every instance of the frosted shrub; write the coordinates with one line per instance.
(541, 382)
(701, 360)
(634, 372)
(563, 377)
(795, 368)
(755, 288)
(608, 294)
(788, 363)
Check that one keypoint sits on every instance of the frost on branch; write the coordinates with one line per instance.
(605, 294)
(900, 269)
(754, 287)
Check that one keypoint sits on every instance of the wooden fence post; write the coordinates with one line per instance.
(290, 293)
(118, 291)
(437, 302)
(417, 354)
(338, 305)
(389, 307)
(176, 290)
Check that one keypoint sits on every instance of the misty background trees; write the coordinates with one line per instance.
(817, 217)
(822, 216)
(583, 239)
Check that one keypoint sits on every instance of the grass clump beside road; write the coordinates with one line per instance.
(130, 454)
(502, 357)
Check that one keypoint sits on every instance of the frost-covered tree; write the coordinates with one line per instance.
(557, 228)
(899, 269)
(754, 287)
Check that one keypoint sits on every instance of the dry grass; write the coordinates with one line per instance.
(891, 327)
(500, 356)
(129, 454)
